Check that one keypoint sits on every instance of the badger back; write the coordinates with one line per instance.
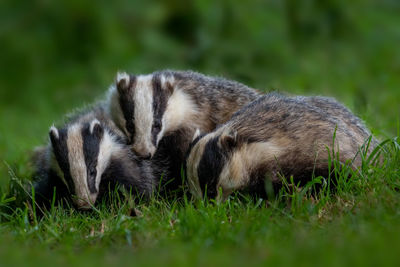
(274, 134)
(334, 109)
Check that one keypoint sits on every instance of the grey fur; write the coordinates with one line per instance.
(123, 167)
(214, 101)
(287, 135)
(216, 98)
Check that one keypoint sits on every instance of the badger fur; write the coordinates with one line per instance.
(87, 155)
(149, 107)
(273, 136)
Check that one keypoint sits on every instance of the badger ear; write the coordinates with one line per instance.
(229, 140)
(122, 82)
(96, 128)
(54, 135)
(196, 134)
(169, 87)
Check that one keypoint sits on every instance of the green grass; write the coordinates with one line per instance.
(59, 55)
(357, 224)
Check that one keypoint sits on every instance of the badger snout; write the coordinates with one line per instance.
(82, 204)
(144, 151)
(87, 203)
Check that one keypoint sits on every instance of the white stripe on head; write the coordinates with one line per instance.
(77, 163)
(143, 114)
(108, 146)
(180, 109)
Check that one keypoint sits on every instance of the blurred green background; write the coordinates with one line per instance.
(58, 55)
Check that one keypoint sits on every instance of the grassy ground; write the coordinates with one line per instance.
(56, 57)
(357, 225)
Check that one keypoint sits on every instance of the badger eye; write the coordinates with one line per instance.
(92, 172)
(157, 125)
(130, 128)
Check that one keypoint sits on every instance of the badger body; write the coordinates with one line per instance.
(275, 135)
(86, 156)
(173, 103)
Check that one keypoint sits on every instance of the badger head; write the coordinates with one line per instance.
(208, 161)
(141, 104)
(83, 152)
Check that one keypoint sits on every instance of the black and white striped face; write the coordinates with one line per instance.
(224, 161)
(82, 152)
(143, 101)
(208, 162)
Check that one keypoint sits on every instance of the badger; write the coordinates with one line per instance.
(164, 103)
(87, 155)
(271, 137)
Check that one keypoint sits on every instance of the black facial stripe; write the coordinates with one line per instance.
(210, 167)
(196, 140)
(160, 99)
(60, 150)
(127, 105)
(91, 147)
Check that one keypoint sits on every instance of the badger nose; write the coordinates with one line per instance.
(143, 156)
(148, 156)
(144, 153)
(82, 204)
